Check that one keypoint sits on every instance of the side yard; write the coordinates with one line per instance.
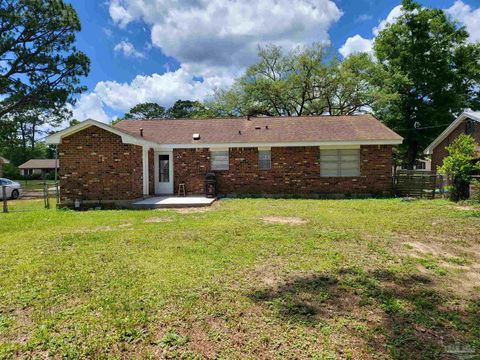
(249, 278)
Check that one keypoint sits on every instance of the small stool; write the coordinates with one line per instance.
(181, 190)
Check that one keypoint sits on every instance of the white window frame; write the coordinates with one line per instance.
(267, 161)
(339, 158)
(217, 164)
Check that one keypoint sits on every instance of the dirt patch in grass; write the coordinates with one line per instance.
(460, 264)
(466, 208)
(418, 249)
(193, 210)
(158, 220)
(284, 220)
(363, 311)
(106, 228)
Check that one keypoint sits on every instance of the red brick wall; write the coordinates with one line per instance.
(96, 165)
(151, 172)
(295, 170)
(440, 151)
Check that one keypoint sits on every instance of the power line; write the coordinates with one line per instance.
(423, 128)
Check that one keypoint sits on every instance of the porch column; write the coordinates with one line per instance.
(145, 170)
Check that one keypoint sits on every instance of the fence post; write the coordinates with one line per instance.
(57, 192)
(45, 195)
(4, 197)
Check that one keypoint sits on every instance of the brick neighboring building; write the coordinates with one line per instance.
(467, 123)
(255, 156)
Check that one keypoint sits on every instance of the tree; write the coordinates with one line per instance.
(460, 165)
(73, 122)
(39, 64)
(145, 111)
(187, 109)
(300, 82)
(429, 72)
(35, 122)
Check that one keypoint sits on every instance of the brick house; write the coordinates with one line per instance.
(250, 156)
(467, 123)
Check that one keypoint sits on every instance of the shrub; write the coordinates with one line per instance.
(10, 171)
(460, 165)
(476, 187)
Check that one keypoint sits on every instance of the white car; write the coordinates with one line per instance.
(14, 189)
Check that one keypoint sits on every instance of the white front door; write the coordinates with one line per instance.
(163, 172)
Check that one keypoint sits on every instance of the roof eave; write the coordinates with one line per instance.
(465, 115)
(283, 144)
(127, 138)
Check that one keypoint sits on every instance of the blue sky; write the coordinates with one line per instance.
(163, 50)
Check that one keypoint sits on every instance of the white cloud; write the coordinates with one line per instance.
(164, 89)
(459, 11)
(392, 16)
(464, 14)
(89, 106)
(356, 44)
(119, 14)
(127, 49)
(363, 17)
(224, 33)
(212, 39)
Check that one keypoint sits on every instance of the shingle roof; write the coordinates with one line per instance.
(262, 130)
(39, 164)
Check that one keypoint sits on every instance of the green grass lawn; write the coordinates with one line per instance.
(345, 279)
(35, 185)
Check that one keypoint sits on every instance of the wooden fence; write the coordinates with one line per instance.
(417, 183)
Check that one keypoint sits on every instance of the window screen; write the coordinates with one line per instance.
(340, 162)
(264, 159)
(219, 160)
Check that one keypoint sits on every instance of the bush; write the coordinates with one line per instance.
(460, 165)
(476, 187)
(50, 175)
(10, 171)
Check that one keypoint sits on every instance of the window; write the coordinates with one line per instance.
(219, 160)
(340, 162)
(164, 168)
(420, 165)
(264, 159)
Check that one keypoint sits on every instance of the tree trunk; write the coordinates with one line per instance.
(411, 155)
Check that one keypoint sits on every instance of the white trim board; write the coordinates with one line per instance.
(466, 115)
(126, 138)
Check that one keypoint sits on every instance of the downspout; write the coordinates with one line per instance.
(56, 162)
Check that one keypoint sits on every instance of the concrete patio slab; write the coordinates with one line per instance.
(158, 202)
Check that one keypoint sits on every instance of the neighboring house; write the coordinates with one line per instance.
(264, 155)
(421, 164)
(467, 123)
(38, 166)
(3, 161)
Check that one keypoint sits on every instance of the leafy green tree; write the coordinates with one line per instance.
(73, 122)
(32, 123)
(429, 72)
(460, 165)
(187, 109)
(39, 63)
(300, 82)
(145, 111)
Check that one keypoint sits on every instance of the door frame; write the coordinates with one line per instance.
(167, 188)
